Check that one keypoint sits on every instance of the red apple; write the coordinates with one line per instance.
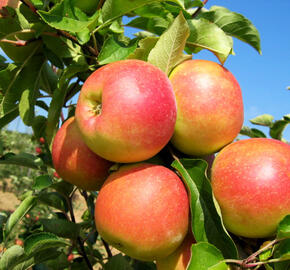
(180, 258)
(74, 162)
(209, 107)
(126, 111)
(143, 210)
(38, 150)
(9, 3)
(251, 182)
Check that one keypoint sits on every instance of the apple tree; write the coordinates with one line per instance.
(51, 48)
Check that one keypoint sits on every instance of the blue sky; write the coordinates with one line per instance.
(263, 78)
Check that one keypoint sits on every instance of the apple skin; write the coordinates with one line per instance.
(251, 182)
(209, 107)
(126, 111)
(74, 162)
(180, 258)
(9, 3)
(143, 210)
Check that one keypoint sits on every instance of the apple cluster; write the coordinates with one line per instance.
(127, 112)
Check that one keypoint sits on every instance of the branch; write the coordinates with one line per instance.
(101, 3)
(199, 9)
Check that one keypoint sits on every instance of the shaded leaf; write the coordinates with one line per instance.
(144, 47)
(207, 225)
(168, 51)
(206, 256)
(53, 199)
(118, 262)
(206, 35)
(234, 24)
(22, 159)
(252, 132)
(114, 50)
(276, 131)
(284, 228)
(61, 227)
(42, 182)
(11, 257)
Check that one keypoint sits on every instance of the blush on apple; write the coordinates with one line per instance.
(126, 111)
(143, 210)
(74, 161)
(209, 107)
(251, 182)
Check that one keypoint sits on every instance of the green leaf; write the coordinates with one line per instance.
(168, 51)
(118, 262)
(25, 206)
(9, 117)
(145, 46)
(39, 125)
(284, 227)
(61, 227)
(263, 120)
(11, 257)
(114, 50)
(206, 256)
(48, 82)
(266, 254)
(41, 241)
(234, 24)
(22, 159)
(276, 130)
(206, 223)
(206, 35)
(63, 187)
(65, 17)
(53, 199)
(42, 182)
(252, 132)
(283, 250)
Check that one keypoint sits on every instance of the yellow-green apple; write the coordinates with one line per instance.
(87, 6)
(142, 210)
(126, 111)
(209, 107)
(180, 258)
(251, 182)
(74, 161)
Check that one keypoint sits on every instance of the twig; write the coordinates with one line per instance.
(101, 3)
(199, 9)
(109, 252)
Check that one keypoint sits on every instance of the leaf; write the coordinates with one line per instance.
(234, 24)
(22, 159)
(113, 9)
(61, 227)
(145, 46)
(283, 250)
(168, 51)
(206, 256)
(63, 187)
(284, 227)
(266, 254)
(114, 50)
(39, 125)
(263, 120)
(118, 262)
(53, 199)
(9, 117)
(11, 257)
(65, 17)
(252, 132)
(207, 225)
(25, 206)
(276, 130)
(42, 182)
(206, 35)
(41, 241)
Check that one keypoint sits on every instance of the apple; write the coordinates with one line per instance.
(143, 210)
(209, 107)
(180, 258)
(74, 162)
(126, 111)
(87, 6)
(251, 182)
(9, 3)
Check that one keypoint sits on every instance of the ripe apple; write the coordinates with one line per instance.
(251, 182)
(126, 111)
(143, 210)
(74, 161)
(180, 258)
(9, 3)
(209, 107)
